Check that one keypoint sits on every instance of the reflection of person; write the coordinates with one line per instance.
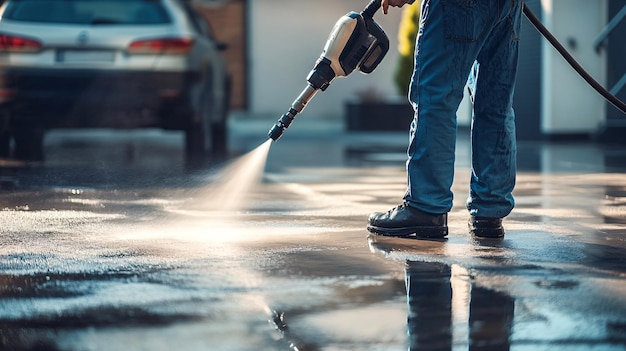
(429, 296)
(457, 37)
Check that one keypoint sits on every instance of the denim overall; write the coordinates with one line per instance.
(457, 39)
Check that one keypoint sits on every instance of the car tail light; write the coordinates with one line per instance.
(6, 95)
(18, 44)
(176, 46)
(169, 93)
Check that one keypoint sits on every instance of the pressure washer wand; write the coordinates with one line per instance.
(298, 105)
(356, 42)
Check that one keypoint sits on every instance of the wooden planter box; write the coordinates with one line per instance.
(378, 115)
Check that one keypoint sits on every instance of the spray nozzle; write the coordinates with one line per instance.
(283, 123)
(276, 132)
(285, 120)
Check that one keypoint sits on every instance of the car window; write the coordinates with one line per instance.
(95, 12)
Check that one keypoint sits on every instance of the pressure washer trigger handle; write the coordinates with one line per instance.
(379, 41)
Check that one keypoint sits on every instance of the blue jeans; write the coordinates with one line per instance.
(456, 38)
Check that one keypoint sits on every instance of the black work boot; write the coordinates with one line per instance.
(403, 221)
(485, 227)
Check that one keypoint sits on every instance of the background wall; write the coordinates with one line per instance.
(616, 69)
(286, 37)
(228, 22)
(275, 43)
(570, 105)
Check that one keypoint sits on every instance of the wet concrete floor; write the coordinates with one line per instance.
(115, 243)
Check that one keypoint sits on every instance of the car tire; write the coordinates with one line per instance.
(219, 139)
(5, 135)
(5, 144)
(195, 141)
(219, 130)
(28, 144)
(198, 136)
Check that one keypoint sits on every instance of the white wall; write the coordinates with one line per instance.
(569, 104)
(288, 36)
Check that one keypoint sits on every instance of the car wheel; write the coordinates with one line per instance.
(28, 144)
(219, 130)
(198, 136)
(195, 142)
(5, 144)
(5, 135)
(219, 138)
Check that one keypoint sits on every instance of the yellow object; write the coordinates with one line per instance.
(407, 35)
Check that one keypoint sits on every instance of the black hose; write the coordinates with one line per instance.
(575, 65)
(371, 8)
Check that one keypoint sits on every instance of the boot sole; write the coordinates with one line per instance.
(486, 232)
(422, 232)
(490, 233)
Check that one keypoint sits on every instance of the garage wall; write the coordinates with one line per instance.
(569, 104)
(228, 21)
(286, 37)
(616, 69)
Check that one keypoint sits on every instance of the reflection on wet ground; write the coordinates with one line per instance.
(443, 307)
(114, 242)
(501, 305)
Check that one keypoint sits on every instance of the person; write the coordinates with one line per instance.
(456, 38)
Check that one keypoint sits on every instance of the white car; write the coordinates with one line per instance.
(109, 64)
